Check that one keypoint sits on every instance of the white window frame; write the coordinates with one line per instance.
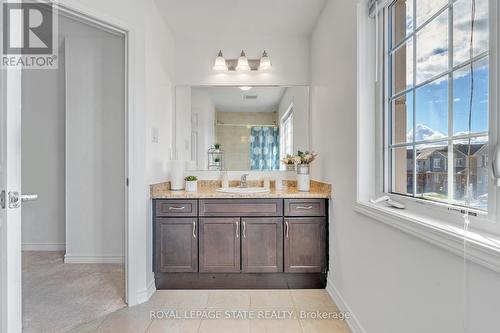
(372, 174)
(287, 118)
(485, 221)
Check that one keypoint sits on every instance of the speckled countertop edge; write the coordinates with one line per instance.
(207, 189)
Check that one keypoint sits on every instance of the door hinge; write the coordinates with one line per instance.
(2, 199)
(127, 182)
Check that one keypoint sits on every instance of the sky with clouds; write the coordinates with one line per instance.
(432, 58)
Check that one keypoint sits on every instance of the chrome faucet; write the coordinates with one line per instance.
(243, 181)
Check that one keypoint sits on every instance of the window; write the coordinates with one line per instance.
(437, 163)
(437, 93)
(286, 133)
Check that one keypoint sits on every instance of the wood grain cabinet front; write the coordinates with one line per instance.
(262, 245)
(219, 245)
(305, 245)
(177, 244)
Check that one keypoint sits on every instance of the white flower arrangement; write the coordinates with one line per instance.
(288, 159)
(305, 157)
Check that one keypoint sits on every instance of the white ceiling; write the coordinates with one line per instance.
(231, 99)
(268, 17)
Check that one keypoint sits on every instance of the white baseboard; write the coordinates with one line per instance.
(81, 259)
(145, 294)
(353, 321)
(44, 247)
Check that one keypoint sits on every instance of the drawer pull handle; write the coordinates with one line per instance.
(244, 230)
(286, 228)
(237, 229)
(305, 207)
(194, 229)
(176, 208)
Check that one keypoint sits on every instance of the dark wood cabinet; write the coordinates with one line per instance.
(240, 243)
(219, 245)
(305, 245)
(262, 245)
(176, 245)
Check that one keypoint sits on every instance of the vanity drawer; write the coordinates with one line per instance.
(305, 207)
(176, 208)
(241, 207)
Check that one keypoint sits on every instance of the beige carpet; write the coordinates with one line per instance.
(58, 297)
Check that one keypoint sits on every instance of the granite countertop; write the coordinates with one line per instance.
(207, 189)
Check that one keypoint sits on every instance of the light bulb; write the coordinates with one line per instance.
(243, 63)
(265, 62)
(220, 63)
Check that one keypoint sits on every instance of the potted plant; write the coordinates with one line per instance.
(289, 162)
(191, 183)
(217, 146)
(303, 161)
(217, 160)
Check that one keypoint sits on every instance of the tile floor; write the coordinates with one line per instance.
(232, 305)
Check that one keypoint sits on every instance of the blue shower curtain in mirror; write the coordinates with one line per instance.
(264, 148)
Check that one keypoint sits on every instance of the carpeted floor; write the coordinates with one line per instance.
(58, 297)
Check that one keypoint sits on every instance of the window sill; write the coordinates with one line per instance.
(482, 248)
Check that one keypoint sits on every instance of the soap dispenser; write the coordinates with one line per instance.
(225, 179)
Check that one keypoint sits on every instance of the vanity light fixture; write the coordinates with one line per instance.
(220, 63)
(242, 64)
(265, 62)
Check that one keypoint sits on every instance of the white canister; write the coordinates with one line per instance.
(192, 186)
(303, 178)
(177, 175)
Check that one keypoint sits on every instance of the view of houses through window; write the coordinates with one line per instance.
(438, 100)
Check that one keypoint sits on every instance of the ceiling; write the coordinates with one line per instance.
(231, 99)
(268, 17)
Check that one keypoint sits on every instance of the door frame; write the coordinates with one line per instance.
(10, 267)
(106, 23)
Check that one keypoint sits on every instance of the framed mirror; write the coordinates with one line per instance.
(240, 128)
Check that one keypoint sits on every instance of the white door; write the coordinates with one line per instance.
(10, 209)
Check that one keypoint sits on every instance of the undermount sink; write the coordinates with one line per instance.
(243, 190)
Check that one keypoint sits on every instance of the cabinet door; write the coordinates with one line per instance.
(305, 240)
(219, 245)
(262, 245)
(176, 245)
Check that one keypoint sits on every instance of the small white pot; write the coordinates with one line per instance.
(192, 186)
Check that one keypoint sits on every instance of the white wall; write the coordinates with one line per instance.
(393, 282)
(203, 109)
(43, 220)
(148, 35)
(299, 96)
(194, 59)
(95, 147)
(183, 123)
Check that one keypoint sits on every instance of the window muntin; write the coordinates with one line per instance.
(428, 92)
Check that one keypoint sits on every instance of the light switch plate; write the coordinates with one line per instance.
(155, 135)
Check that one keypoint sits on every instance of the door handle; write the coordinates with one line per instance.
(176, 208)
(286, 229)
(29, 197)
(244, 230)
(237, 229)
(15, 198)
(194, 229)
(305, 207)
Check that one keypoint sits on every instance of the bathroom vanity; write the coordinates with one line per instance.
(215, 240)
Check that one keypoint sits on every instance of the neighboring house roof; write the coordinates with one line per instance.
(461, 149)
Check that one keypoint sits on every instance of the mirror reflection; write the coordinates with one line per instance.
(240, 128)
